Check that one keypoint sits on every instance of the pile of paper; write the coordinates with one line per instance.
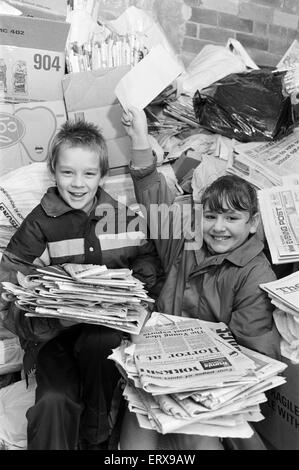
(266, 164)
(279, 207)
(85, 293)
(182, 109)
(284, 294)
(190, 376)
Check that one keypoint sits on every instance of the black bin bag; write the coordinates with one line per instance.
(247, 107)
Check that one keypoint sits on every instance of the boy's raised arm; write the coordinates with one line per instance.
(156, 199)
(135, 123)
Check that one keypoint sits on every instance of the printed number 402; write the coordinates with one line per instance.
(46, 62)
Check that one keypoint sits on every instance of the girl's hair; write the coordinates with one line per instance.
(79, 134)
(237, 193)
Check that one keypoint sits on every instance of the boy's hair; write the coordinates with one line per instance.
(237, 193)
(79, 134)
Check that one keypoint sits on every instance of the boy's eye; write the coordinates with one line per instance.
(209, 216)
(91, 173)
(66, 172)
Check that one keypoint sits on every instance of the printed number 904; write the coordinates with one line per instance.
(46, 62)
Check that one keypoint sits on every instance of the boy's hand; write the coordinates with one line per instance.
(135, 124)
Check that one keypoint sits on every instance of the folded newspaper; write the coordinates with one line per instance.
(279, 207)
(190, 376)
(285, 292)
(266, 164)
(284, 295)
(83, 293)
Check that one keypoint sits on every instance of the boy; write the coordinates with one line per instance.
(75, 381)
(219, 281)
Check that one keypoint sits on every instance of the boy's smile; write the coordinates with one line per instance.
(78, 176)
(224, 232)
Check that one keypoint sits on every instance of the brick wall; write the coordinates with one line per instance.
(265, 28)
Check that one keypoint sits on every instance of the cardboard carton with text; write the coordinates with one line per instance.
(90, 96)
(32, 58)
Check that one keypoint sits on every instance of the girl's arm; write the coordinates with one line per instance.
(252, 321)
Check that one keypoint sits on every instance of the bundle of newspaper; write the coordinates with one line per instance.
(85, 293)
(190, 376)
(181, 109)
(266, 164)
(279, 207)
(284, 294)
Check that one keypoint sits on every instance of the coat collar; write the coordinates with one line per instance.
(239, 257)
(55, 206)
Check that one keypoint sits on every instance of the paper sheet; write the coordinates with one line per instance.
(147, 79)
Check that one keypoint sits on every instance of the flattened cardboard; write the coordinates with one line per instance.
(85, 90)
(27, 131)
(281, 425)
(90, 96)
(32, 53)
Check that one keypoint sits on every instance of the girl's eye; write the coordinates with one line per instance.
(90, 174)
(66, 172)
(209, 216)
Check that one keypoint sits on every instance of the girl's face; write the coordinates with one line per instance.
(224, 232)
(78, 175)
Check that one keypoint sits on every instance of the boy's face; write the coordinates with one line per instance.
(78, 176)
(226, 231)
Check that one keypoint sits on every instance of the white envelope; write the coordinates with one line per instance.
(148, 78)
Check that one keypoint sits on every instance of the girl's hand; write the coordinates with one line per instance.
(135, 124)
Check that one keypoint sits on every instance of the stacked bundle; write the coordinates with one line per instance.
(189, 376)
(83, 293)
(182, 109)
(279, 207)
(284, 294)
(266, 164)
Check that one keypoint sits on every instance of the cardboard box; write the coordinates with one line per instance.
(32, 58)
(26, 132)
(90, 96)
(280, 427)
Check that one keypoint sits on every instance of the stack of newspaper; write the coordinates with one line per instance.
(266, 164)
(190, 376)
(284, 294)
(181, 109)
(85, 293)
(279, 207)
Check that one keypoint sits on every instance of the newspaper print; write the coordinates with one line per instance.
(285, 290)
(244, 169)
(273, 160)
(280, 213)
(278, 157)
(168, 355)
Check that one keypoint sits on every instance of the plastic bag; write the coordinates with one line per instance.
(136, 21)
(15, 400)
(21, 190)
(208, 171)
(247, 107)
(211, 64)
(288, 327)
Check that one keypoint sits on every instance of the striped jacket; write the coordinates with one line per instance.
(54, 233)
